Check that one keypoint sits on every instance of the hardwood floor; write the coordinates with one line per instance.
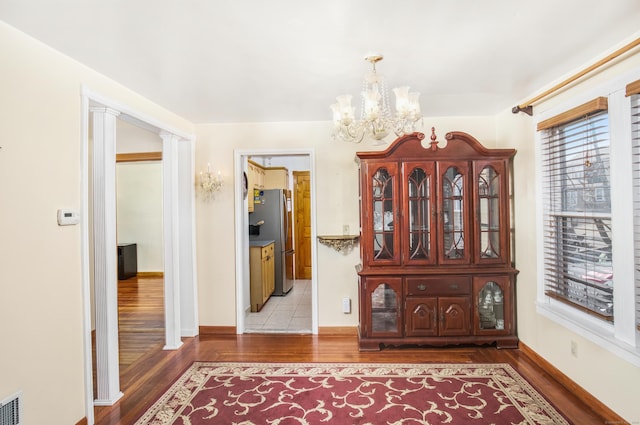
(148, 377)
(140, 317)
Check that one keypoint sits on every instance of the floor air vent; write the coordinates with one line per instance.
(10, 410)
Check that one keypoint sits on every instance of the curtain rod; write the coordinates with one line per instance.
(527, 107)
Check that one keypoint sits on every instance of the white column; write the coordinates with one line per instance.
(170, 217)
(188, 289)
(105, 255)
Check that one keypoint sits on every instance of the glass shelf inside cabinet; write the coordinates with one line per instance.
(491, 306)
(384, 309)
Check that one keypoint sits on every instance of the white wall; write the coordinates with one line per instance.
(139, 196)
(139, 206)
(41, 307)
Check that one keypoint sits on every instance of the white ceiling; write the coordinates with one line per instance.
(214, 61)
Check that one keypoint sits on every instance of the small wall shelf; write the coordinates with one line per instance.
(339, 242)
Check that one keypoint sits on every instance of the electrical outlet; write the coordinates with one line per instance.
(574, 349)
(346, 305)
(345, 229)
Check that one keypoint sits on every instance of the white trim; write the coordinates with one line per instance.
(84, 252)
(170, 226)
(189, 322)
(589, 328)
(90, 99)
(242, 238)
(105, 263)
(622, 211)
(132, 115)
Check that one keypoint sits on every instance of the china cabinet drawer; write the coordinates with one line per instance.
(421, 286)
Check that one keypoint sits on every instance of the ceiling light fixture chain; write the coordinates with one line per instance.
(376, 120)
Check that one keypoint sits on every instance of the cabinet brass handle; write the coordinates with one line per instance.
(453, 286)
(422, 287)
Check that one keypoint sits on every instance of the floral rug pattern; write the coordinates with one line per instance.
(365, 394)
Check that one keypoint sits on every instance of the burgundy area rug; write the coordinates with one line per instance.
(321, 393)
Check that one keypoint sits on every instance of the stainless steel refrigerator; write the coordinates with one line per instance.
(271, 218)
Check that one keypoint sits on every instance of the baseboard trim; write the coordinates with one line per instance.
(150, 274)
(338, 330)
(569, 384)
(218, 330)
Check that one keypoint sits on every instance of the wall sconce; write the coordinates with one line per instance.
(209, 184)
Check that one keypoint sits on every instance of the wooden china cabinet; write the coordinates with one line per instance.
(435, 244)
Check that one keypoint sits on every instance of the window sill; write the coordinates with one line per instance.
(594, 330)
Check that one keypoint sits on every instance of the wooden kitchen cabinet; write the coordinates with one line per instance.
(436, 244)
(276, 178)
(255, 181)
(262, 274)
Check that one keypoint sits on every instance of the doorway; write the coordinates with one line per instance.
(139, 237)
(99, 253)
(296, 311)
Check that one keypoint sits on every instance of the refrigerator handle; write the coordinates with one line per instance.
(286, 220)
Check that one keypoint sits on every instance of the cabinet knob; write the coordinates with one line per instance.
(422, 287)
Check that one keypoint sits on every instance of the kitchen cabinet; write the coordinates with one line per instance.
(262, 273)
(276, 178)
(255, 181)
(435, 244)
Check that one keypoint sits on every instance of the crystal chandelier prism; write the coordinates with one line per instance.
(376, 120)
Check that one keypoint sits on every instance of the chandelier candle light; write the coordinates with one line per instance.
(210, 183)
(376, 119)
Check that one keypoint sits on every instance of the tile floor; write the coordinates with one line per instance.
(288, 314)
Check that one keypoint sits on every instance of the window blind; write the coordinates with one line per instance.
(577, 213)
(635, 135)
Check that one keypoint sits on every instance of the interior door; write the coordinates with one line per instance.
(302, 189)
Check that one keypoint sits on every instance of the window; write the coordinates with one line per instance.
(635, 129)
(589, 162)
(577, 210)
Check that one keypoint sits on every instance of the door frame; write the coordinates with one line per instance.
(241, 157)
(178, 245)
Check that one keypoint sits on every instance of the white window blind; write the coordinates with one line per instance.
(577, 213)
(635, 128)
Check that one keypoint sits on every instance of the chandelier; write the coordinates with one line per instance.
(376, 120)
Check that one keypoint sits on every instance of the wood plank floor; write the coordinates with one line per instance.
(140, 317)
(151, 374)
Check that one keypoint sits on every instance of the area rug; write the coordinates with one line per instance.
(366, 394)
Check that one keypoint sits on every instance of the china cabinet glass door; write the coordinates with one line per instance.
(419, 213)
(384, 300)
(453, 223)
(493, 304)
(490, 231)
(383, 221)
